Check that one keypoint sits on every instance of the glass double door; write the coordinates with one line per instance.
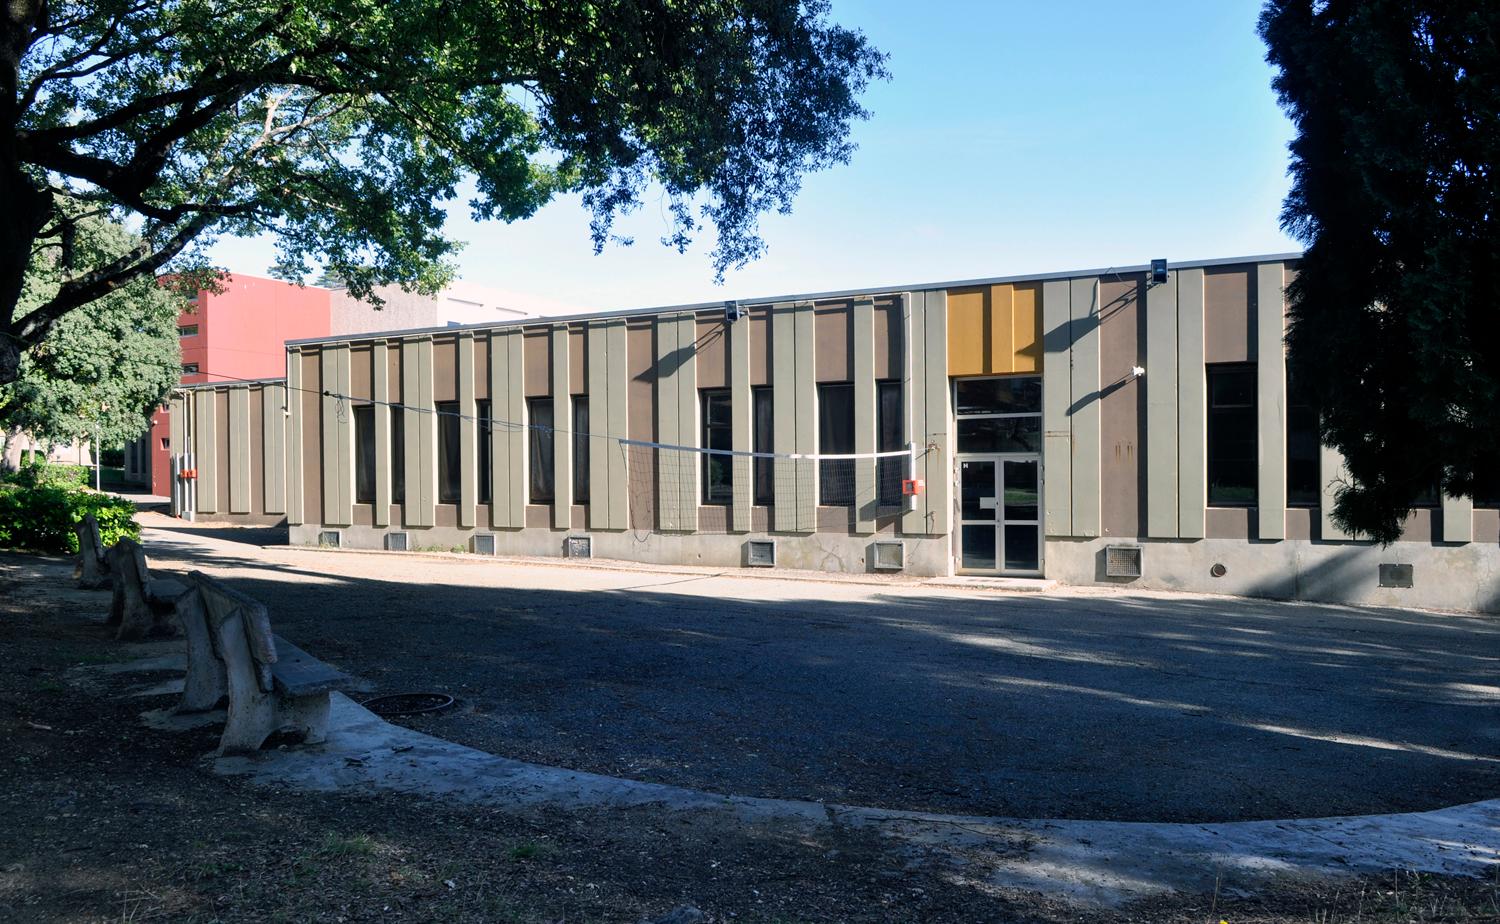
(1000, 526)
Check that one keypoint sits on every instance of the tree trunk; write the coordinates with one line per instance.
(28, 205)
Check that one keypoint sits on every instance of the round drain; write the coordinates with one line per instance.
(407, 703)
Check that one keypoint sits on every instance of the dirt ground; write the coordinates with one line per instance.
(104, 820)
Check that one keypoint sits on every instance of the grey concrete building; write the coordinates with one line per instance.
(1101, 426)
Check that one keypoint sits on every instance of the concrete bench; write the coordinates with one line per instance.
(141, 606)
(271, 685)
(93, 563)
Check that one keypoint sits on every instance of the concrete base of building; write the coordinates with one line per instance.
(1453, 577)
(925, 556)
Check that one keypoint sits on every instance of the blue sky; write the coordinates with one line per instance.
(1012, 138)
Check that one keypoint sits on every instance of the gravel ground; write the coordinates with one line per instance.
(1078, 705)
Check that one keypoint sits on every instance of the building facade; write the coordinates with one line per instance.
(1092, 427)
(241, 332)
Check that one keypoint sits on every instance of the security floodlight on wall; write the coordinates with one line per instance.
(1158, 272)
(732, 311)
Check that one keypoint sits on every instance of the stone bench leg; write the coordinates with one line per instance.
(252, 710)
(306, 714)
(205, 685)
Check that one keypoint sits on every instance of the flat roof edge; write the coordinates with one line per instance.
(797, 297)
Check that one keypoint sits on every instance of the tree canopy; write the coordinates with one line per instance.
(344, 126)
(1393, 324)
(102, 371)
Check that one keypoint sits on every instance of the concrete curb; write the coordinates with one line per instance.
(1086, 862)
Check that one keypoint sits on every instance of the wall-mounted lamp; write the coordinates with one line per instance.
(732, 311)
(1158, 272)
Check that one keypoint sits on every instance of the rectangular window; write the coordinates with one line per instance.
(999, 414)
(718, 433)
(450, 468)
(189, 368)
(539, 432)
(1303, 448)
(762, 438)
(398, 454)
(835, 437)
(888, 417)
(364, 454)
(1232, 442)
(580, 449)
(187, 330)
(486, 470)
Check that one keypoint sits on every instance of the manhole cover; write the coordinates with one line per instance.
(407, 703)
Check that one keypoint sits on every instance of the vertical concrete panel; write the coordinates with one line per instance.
(562, 441)
(668, 475)
(1458, 519)
(1057, 397)
(688, 415)
(427, 431)
(1269, 313)
(294, 424)
(913, 385)
(600, 498)
(338, 437)
(1084, 317)
(1192, 408)
(805, 395)
(784, 417)
(239, 449)
(1026, 327)
(273, 441)
(205, 450)
(1161, 409)
(500, 433)
(1332, 474)
(420, 427)
(380, 392)
(1122, 406)
(740, 404)
(940, 470)
(616, 406)
(1000, 322)
(970, 347)
(468, 434)
(508, 447)
(866, 496)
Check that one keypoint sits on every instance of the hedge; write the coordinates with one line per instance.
(41, 517)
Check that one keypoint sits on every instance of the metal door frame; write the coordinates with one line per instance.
(999, 522)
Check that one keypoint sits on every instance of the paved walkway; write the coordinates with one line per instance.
(901, 696)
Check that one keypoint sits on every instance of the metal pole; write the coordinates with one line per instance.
(96, 454)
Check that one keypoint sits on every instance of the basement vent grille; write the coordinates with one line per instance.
(329, 539)
(890, 556)
(1122, 561)
(1395, 575)
(395, 542)
(579, 547)
(484, 543)
(760, 553)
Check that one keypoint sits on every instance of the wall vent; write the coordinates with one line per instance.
(1395, 575)
(329, 539)
(484, 543)
(889, 555)
(1122, 561)
(760, 553)
(578, 547)
(395, 542)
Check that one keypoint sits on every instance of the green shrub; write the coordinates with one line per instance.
(40, 517)
(41, 472)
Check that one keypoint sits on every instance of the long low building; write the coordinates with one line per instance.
(1131, 425)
